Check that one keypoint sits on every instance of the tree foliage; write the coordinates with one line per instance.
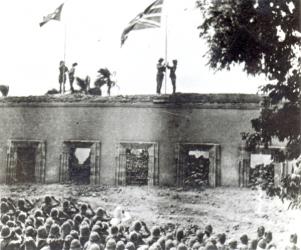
(264, 37)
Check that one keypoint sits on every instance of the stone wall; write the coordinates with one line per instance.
(165, 120)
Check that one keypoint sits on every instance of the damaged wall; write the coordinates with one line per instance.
(164, 120)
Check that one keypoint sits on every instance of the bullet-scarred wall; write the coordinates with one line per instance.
(166, 120)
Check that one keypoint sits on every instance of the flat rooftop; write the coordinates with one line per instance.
(178, 98)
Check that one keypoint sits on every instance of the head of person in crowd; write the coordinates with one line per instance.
(244, 239)
(130, 246)
(4, 208)
(39, 221)
(232, 244)
(221, 239)
(65, 229)
(30, 232)
(294, 238)
(133, 237)
(54, 231)
(179, 234)
(260, 232)
(111, 244)
(268, 236)
(29, 244)
(196, 245)
(38, 213)
(67, 242)
(75, 245)
(74, 234)
(200, 235)
(208, 230)
(182, 246)
(47, 200)
(253, 244)
(136, 226)
(169, 244)
(5, 218)
(120, 245)
(155, 246)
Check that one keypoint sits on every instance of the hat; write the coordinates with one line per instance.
(133, 236)
(47, 199)
(5, 232)
(66, 227)
(74, 234)
(100, 212)
(130, 246)
(169, 244)
(120, 245)
(29, 231)
(4, 207)
(42, 233)
(161, 60)
(94, 237)
(111, 244)
(4, 218)
(74, 64)
(156, 231)
(93, 247)
(38, 213)
(54, 231)
(294, 238)
(208, 229)
(75, 245)
(232, 243)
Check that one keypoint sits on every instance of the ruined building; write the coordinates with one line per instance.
(133, 140)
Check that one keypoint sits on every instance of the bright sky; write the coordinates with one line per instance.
(30, 54)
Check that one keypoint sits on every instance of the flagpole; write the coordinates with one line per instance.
(65, 48)
(165, 52)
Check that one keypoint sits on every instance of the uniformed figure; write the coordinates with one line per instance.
(71, 74)
(62, 76)
(172, 74)
(160, 74)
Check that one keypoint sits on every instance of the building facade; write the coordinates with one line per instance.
(133, 140)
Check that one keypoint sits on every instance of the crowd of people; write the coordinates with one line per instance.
(66, 225)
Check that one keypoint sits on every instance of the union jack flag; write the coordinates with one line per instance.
(149, 18)
(55, 15)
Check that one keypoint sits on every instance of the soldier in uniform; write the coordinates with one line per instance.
(160, 74)
(71, 74)
(62, 76)
(172, 74)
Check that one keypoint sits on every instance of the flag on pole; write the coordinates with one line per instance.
(149, 18)
(55, 15)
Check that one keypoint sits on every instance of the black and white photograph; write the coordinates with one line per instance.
(150, 125)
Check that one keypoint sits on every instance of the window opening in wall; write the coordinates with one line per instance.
(79, 164)
(262, 170)
(26, 160)
(197, 164)
(137, 163)
(136, 166)
(196, 168)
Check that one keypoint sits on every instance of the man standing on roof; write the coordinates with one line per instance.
(62, 76)
(71, 74)
(160, 74)
(172, 74)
